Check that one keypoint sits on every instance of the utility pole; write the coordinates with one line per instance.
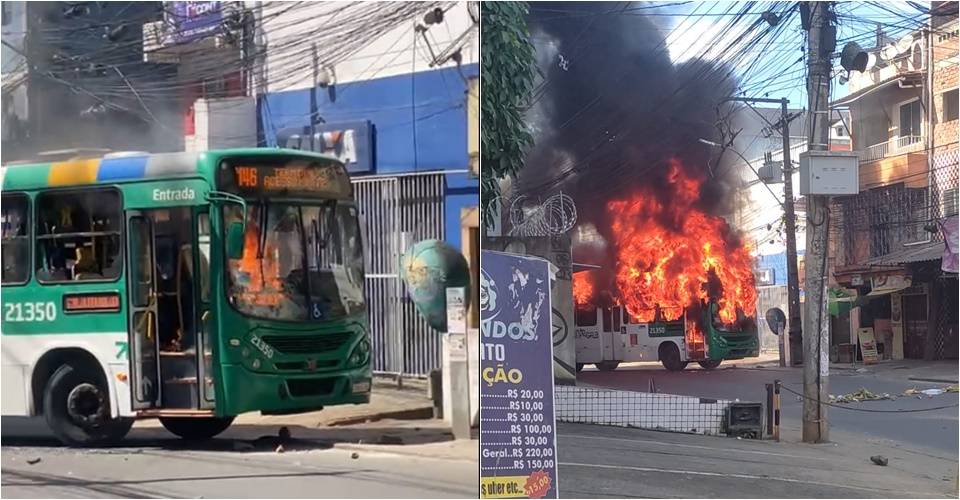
(793, 280)
(821, 41)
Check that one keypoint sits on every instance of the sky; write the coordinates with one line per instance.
(692, 27)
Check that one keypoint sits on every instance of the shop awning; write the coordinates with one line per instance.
(919, 253)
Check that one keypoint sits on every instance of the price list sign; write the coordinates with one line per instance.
(518, 451)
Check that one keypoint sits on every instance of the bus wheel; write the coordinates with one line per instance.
(76, 406)
(196, 428)
(710, 364)
(579, 367)
(608, 366)
(670, 357)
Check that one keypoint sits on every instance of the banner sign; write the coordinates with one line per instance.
(350, 142)
(193, 20)
(518, 456)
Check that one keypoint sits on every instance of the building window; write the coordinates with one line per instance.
(840, 131)
(950, 202)
(16, 239)
(5, 13)
(910, 119)
(951, 107)
(78, 236)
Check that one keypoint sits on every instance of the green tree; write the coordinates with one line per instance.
(508, 66)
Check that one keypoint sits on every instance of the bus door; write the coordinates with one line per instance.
(143, 331)
(203, 320)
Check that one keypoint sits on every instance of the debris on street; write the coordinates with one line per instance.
(33, 461)
(879, 460)
(859, 395)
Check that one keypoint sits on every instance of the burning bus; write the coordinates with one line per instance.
(677, 285)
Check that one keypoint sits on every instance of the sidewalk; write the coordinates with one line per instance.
(944, 371)
(397, 420)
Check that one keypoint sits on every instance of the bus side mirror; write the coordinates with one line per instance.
(235, 241)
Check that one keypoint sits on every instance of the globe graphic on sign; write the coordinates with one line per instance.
(428, 268)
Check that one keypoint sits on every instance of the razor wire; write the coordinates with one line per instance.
(554, 216)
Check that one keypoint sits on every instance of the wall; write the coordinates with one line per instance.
(419, 113)
(876, 117)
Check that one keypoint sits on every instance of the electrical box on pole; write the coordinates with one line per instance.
(829, 173)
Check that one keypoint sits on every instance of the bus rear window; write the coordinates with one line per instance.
(16, 239)
(78, 236)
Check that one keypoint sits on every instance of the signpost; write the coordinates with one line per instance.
(518, 457)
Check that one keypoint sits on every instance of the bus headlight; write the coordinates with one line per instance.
(361, 353)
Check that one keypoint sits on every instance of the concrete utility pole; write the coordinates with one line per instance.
(793, 280)
(821, 41)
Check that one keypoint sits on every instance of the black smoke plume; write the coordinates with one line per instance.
(613, 109)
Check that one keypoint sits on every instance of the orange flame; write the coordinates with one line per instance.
(582, 288)
(667, 252)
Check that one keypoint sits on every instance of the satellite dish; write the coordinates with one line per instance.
(889, 52)
(904, 44)
(853, 58)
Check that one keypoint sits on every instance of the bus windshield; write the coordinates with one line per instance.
(283, 239)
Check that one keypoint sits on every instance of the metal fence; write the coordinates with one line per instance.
(397, 211)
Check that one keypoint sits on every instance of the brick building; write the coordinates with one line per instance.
(888, 241)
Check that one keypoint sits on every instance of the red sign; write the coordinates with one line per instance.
(91, 302)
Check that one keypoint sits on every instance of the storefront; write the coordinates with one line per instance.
(907, 300)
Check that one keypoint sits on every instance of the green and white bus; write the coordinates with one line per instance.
(190, 287)
(608, 336)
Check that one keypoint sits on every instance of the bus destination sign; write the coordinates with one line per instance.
(291, 179)
(518, 451)
(91, 302)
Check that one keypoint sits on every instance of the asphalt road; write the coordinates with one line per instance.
(151, 467)
(932, 431)
(614, 462)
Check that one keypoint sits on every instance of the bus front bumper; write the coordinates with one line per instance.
(288, 393)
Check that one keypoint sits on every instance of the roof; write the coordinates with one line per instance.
(919, 253)
(873, 88)
(116, 167)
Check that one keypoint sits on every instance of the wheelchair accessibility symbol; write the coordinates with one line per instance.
(317, 313)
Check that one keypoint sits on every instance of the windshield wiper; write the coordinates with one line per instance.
(262, 237)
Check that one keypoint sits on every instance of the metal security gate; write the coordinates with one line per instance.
(396, 212)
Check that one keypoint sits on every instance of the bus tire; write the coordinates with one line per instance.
(76, 407)
(709, 364)
(196, 428)
(670, 357)
(608, 366)
(579, 367)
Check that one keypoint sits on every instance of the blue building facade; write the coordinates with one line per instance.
(403, 124)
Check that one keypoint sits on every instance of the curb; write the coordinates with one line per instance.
(419, 413)
(397, 450)
(935, 380)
